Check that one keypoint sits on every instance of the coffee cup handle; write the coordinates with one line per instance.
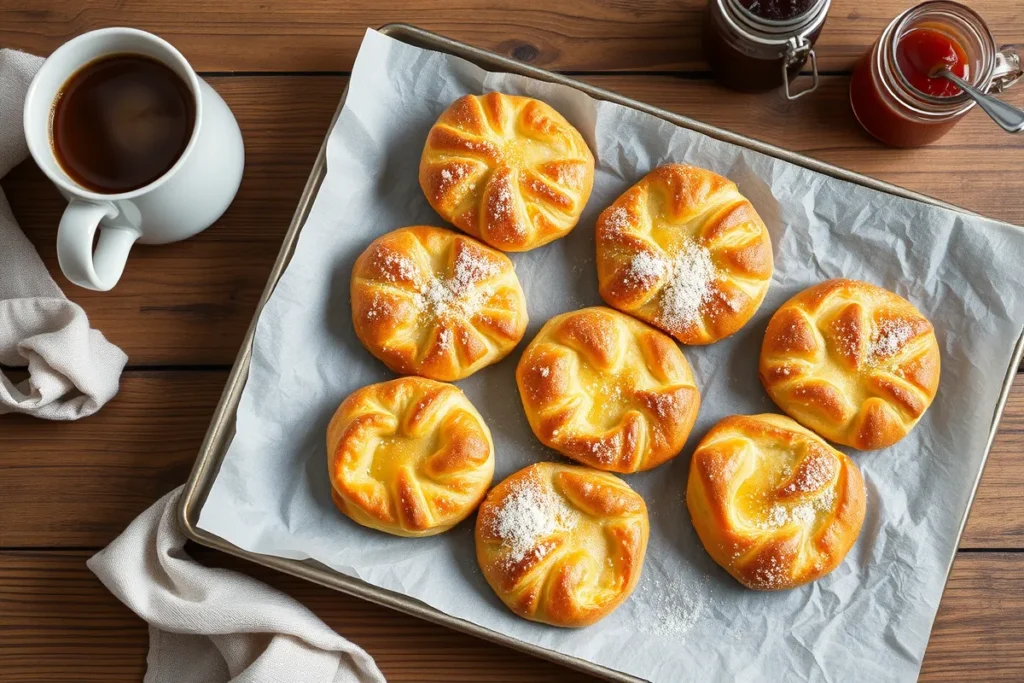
(100, 269)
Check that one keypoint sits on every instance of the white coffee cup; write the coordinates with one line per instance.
(185, 200)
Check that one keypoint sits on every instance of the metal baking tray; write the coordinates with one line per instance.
(221, 430)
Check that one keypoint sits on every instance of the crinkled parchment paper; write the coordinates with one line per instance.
(688, 620)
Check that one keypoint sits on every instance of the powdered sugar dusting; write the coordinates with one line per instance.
(846, 336)
(892, 336)
(604, 450)
(570, 175)
(689, 286)
(665, 405)
(814, 473)
(529, 514)
(804, 512)
(445, 338)
(463, 293)
(691, 275)
(451, 176)
(617, 220)
(773, 575)
(675, 605)
(396, 265)
(644, 269)
(778, 515)
(501, 209)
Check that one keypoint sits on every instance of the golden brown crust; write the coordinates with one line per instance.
(854, 362)
(561, 544)
(411, 457)
(607, 390)
(432, 302)
(773, 504)
(684, 251)
(508, 170)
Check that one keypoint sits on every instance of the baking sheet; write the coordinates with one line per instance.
(687, 620)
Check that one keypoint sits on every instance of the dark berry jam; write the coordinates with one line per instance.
(777, 10)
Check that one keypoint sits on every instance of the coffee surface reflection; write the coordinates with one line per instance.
(121, 122)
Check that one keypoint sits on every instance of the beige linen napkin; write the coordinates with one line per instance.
(73, 369)
(214, 625)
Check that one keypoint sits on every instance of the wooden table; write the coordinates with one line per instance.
(181, 310)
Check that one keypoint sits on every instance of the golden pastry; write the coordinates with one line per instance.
(429, 301)
(561, 544)
(773, 504)
(509, 170)
(607, 390)
(685, 251)
(411, 457)
(852, 361)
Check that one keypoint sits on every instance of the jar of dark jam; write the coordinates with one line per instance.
(758, 45)
(893, 92)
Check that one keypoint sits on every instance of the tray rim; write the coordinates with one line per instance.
(221, 428)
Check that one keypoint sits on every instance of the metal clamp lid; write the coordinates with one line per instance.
(798, 50)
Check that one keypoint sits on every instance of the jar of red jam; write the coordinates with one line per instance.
(894, 92)
(758, 45)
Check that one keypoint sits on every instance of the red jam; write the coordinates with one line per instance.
(883, 111)
(922, 52)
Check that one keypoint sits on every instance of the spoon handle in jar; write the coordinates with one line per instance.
(1007, 116)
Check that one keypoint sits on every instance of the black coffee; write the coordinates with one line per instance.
(121, 122)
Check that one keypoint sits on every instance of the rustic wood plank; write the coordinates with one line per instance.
(997, 517)
(79, 484)
(321, 35)
(57, 617)
(190, 303)
(981, 615)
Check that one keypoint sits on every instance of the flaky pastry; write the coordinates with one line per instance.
(856, 363)
(431, 302)
(411, 457)
(509, 170)
(685, 251)
(607, 390)
(561, 544)
(772, 503)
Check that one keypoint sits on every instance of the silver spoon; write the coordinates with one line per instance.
(1007, 116)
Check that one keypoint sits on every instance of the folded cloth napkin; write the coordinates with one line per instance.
(73, 370)
(214, 625)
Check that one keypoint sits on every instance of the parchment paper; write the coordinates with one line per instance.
(688, 620)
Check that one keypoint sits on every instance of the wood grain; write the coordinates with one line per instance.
(79, 484)
(190, 303)
(56, 617)
(322, 35)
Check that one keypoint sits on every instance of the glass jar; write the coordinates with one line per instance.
(900, 115)
(758, 45)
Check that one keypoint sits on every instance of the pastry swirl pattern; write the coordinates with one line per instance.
(684, 251)
(856, 363)
(508, 170)
(562, 544)
(607, 390)
(432, 302)
(772, 503)
(411, 457)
